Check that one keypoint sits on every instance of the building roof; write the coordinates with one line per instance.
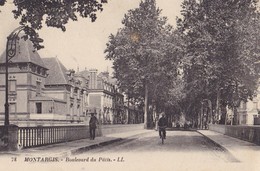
(57, 72)
(85, 74)
(105, 76)
(25, 52)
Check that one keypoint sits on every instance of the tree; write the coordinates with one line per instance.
(142, 53)
(221, 55)
(55, 13)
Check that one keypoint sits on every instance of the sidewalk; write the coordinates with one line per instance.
(75, 147)
(242, 150)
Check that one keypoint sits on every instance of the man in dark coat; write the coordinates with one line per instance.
(162, 124)
(92, 126)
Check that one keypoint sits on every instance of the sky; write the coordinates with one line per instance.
(82, 45)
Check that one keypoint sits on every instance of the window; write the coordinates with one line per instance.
(244, 120)
(38, 70)
(242, 105)
(38, 88)
(38, 108)
(78, 94)
(12, 86)
(12, 107)
(33, 68)
(43, 72)
(71, 92)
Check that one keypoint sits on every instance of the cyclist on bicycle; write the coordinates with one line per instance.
(162, 124)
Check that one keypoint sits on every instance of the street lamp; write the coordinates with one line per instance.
(10, 53)
(11, 46)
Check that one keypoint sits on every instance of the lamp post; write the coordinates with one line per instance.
(10, 141)
(10, 53)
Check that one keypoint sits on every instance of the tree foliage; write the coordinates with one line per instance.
(54, 13)
(221, 51)
(145, 52)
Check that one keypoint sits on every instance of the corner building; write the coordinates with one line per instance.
(42, 92)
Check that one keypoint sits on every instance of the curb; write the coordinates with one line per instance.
(74, 151)
(89, 147)
(181, 129)
(212, 141)
(94, 146)
(220, 146)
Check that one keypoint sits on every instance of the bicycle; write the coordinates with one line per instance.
(162, 134)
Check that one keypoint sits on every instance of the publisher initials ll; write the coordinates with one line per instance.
(120, 159)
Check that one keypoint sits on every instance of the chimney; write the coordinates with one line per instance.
(93, 79)
(106, 74)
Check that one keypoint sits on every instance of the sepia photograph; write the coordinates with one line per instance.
(147, 85)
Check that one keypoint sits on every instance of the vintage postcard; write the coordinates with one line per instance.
(91, 85)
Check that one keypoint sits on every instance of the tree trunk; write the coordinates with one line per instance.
(201, 117)
(146, 118)
(235, 116)
(217, 107)
(127, 111)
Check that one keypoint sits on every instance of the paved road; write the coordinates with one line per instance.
(182, 151)
(181, 147)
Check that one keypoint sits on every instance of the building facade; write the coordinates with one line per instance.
(248, 112)
(101, 95)
(105, 97)
(41, 90)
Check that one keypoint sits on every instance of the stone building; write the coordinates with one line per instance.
(249, 111)
(104, 96)
(41, 90)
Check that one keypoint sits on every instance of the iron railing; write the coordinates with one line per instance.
(39, 136)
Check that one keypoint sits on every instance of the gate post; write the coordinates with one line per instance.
(8, 138)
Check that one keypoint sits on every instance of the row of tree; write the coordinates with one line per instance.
(221, 53)
(212, 55)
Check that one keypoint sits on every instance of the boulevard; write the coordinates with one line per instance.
(179, 146)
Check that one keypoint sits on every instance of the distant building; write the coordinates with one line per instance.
(248, 111)
(104, 96)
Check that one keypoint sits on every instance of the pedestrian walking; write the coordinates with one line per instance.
(92, 126)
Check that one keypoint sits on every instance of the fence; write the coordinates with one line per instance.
(38, 136)
(243, 132)
(26, 137)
